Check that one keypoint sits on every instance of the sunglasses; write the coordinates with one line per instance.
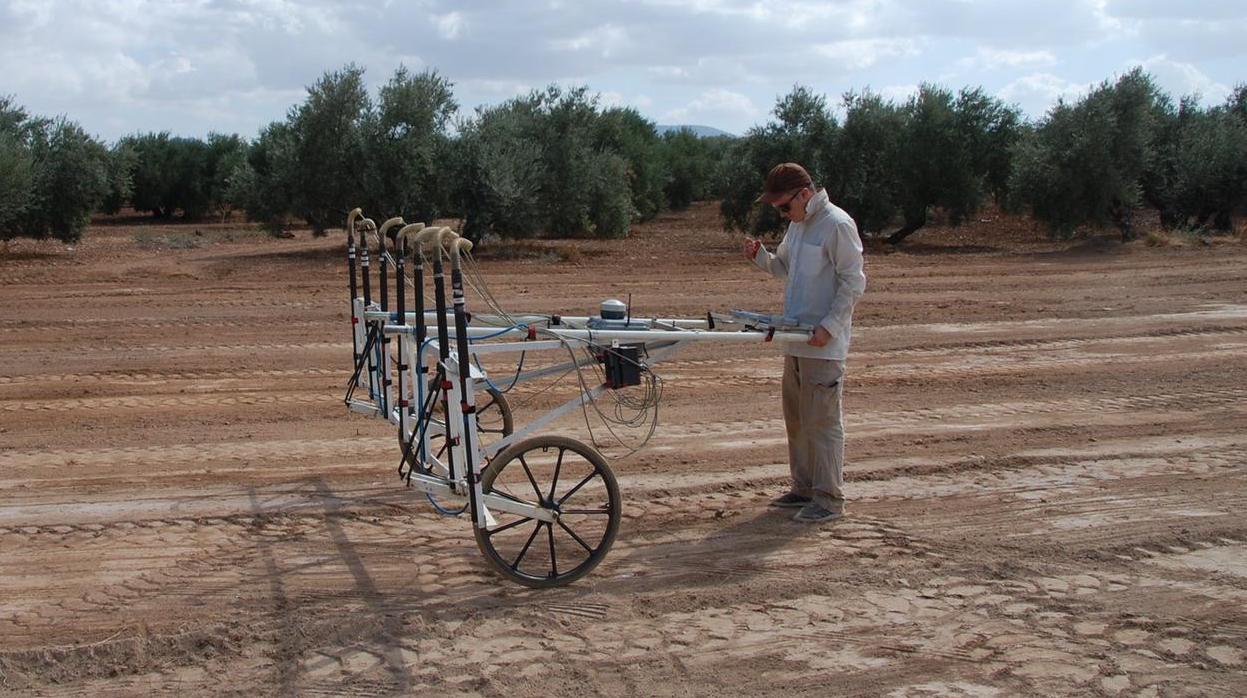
(787, 205)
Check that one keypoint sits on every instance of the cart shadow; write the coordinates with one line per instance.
(377, 628)
(735, 553)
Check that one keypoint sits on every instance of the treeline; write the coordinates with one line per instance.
(553, 161)
(1095, 162)
(556, 161)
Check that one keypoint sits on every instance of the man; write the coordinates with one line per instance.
(820, 259)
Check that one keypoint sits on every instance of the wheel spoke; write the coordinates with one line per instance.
(515, 565)
(500, 529)
(531, 479)
(554, 565)
(574, 536)
(599, 512)
(575, 489)
(507, 495)
(558, 465)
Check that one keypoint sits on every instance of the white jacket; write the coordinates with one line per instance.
(821, 260)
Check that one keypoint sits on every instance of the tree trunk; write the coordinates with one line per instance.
(910, 227)
(1223, 222)
(1123, 217)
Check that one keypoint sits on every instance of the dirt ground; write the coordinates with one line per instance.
(1047, 465)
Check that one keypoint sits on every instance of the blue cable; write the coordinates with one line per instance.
(442, 511)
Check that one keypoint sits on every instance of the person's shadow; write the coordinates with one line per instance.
(742, 549)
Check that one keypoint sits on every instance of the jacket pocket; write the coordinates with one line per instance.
(811, 261)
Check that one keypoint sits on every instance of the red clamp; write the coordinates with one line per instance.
(770, 334)
(532, 332)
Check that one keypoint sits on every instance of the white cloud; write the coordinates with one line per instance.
(1037, 92)
(198, 65)
(719, 103)
(996, 59)
(859, 54)
(498, 88)
(898, 93)
(1183, 79)
(450, 25)
(606, 40)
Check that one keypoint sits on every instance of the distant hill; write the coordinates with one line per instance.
(702, 131)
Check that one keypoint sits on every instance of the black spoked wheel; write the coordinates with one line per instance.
(551, 472)
(493, 421)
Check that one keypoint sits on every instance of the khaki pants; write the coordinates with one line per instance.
(811, 396)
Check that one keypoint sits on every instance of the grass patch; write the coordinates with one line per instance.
(168, 241)
(535, 250)
(1177, 237)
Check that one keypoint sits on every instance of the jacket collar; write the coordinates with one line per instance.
(817, 207)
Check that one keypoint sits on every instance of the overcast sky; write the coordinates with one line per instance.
(120, 66)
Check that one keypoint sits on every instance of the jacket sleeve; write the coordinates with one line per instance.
(844, 250)
(774, 264)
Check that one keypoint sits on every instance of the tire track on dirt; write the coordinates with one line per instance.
(20, 326)
(771, 374)
(994, 346)
(136, 402)
(146, 377)
(862, 421)
(93, 350)
(718, 634)
(144, 456)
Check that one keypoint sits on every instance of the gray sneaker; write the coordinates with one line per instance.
(815, 513)
(790, 501)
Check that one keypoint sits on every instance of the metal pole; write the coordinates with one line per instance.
(400, 301)
(467, 394)
(443, 340)
(350, 261)
(412, 357)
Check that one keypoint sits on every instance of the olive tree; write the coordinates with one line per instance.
(803, 130)
(69, 179)
(953, 154)
(407, 146)
(16, 165)
(538, 163)
(1085, 162)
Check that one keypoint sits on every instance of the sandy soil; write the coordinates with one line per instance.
(1047, 464)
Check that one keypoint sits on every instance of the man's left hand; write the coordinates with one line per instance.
(821, 337)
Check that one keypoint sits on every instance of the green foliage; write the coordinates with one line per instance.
(804, 131)
(541, 163)
(1086, 162)
(16, 165)
(328, 135)
(163, 174)
(225, 154)
(951, 154)
(1198, 177)
(868, 160)
(631, 136)
(121, 163)
(407, 145)
(690, 162)
(52, 176)
(887, 162)
(69, 179)
(264, 183)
